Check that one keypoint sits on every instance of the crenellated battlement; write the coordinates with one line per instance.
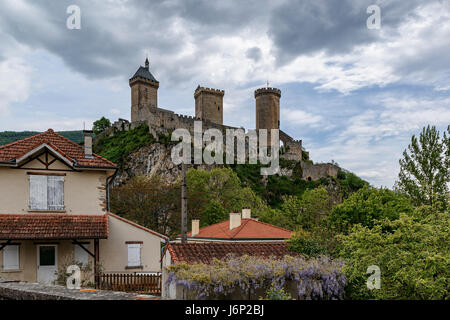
(213, 91)
(268, 90)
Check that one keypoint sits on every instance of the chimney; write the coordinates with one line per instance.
(195, 226)
(235, 220)
(88, 144)
(246, 213)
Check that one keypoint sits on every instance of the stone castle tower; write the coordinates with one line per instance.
(144, 93)
(209, 104)
(267, 109)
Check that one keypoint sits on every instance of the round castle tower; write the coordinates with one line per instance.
(268, 110)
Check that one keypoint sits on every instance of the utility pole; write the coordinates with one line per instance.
(183, 205)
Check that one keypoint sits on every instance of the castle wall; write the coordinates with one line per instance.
(314, 172)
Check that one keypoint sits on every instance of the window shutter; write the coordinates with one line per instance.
(55, 193)
(134, 255)
(80, 255)
(38, 192)
(11, 257)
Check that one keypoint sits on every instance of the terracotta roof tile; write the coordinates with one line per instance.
(52, 226)
(65, 147)
(249, 229)
(206, 252)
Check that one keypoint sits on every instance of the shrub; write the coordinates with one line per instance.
(368, 205)
(276, 293)
(319, 278)
(302, 242)
(413, 254)
(118, 147)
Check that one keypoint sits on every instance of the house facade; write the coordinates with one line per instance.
(54, 211)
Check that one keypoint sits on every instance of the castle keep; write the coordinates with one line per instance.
(209, 110)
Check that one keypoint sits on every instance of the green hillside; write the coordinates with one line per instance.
(11, 136)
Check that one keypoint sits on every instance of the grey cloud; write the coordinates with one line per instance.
(110, 45)
(254, 54)
(334, 26)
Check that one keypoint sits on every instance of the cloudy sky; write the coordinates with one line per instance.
(352, 94)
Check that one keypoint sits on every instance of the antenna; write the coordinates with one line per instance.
(267, 84)
(84, 125)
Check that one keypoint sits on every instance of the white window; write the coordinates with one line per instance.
(46, 192)
(11, 257)
(80, 255)
(134, 255)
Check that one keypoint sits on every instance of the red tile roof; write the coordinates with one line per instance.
(207, 251)
(249, 229)
(68, 149)
(138, 226)
(52, 226)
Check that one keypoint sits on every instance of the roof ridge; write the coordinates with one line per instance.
(78, 146)
(21, 140)
(270, 225)
(240, 228)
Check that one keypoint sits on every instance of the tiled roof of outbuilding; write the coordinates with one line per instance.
(52, 226)
(249, 229)
(206, 252)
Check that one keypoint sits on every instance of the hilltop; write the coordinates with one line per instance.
(11, 136)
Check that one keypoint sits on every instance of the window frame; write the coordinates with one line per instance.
(134, 246)
(15, 267)
(54, 186)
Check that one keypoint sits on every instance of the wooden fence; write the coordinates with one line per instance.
(131, 282)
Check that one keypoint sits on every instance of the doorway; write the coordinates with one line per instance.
(47, 263)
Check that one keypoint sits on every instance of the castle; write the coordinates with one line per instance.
(209, 110)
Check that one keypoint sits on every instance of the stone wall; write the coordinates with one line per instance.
(13, 290)
(312, 172)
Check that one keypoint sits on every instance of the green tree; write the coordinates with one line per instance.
(412, 252)
(101, 125)
(222, 187)
(367, 205)
(424, 170)
(150, 202)
(308, 211)
(213, 213)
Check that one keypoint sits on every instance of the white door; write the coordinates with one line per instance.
(47, 266)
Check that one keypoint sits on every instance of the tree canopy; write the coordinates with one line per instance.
(424, 169)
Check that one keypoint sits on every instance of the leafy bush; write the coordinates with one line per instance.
(367, 205)
(304, 243)
(412, 252)
(350, 183)
(276, 293)
(319, 278)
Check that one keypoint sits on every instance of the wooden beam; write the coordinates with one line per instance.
(96, 261)
(5, 244)
(84, 248)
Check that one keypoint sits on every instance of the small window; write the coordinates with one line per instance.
(11, 257)
(134, 255)
(46, 192)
